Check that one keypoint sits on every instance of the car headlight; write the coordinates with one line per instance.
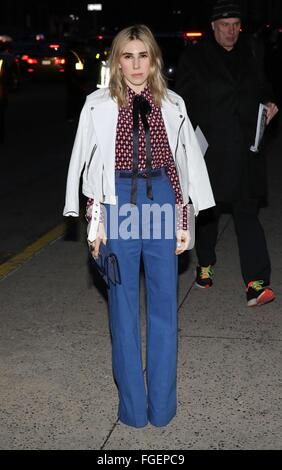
(79, 66)
(104, 75)
(170, 70)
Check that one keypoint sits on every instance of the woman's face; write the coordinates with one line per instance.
(134, 63)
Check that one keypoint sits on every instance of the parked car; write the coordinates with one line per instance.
(42, 59)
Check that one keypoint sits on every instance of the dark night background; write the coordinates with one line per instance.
(36, 146)
(18, 17)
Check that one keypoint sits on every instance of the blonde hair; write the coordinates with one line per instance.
(156, 80)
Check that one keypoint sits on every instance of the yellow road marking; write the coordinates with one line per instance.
(16, 261)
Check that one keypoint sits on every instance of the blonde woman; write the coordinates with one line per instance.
(140, 160)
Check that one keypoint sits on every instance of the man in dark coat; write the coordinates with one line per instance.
(222, 82)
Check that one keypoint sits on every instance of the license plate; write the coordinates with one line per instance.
(46, 62)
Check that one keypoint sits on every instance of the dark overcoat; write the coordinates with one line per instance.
(223, 99)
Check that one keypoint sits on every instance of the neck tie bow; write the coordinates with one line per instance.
(141, 106)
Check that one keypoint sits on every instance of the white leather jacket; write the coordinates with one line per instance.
(94, 154)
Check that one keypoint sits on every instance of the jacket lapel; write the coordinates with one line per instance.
(172, 119)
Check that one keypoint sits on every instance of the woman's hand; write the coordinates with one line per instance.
(95, 244)
(183, 239)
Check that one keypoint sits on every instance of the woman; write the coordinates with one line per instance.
(139, 151)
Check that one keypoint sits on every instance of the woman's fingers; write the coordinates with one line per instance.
(94, 247)
(271, 112)
(178, 250)
(101, 234)
(95, 244)
(182, 241)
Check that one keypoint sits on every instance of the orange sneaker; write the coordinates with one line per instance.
(258, 294)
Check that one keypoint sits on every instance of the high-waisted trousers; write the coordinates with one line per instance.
(147, 392)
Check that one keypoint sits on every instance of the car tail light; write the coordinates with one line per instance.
(32, 61)
(24, 57)
(61, 70)
(60, 61)
(30, 70)
(54, 46)
(191, 35)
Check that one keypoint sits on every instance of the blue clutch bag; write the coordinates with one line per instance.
(107, 265)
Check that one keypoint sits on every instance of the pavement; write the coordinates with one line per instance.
(56, 384)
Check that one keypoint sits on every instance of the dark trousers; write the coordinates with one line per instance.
(254, 258)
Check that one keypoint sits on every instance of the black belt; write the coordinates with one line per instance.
(140, 174)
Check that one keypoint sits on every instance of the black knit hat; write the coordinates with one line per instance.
(225, 9)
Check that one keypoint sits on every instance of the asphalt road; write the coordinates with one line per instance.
(34, 162)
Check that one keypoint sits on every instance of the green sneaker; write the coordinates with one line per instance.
(204, 277)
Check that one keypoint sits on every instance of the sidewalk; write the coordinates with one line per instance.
(56, 385)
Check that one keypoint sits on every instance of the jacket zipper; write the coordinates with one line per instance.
(90, 159)
(178, 136)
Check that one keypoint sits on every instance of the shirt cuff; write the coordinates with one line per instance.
(89, 211)
(182, 216)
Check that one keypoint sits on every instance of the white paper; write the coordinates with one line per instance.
(261, 124)
(202, 141)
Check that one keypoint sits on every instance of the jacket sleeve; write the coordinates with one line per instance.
(200, 190)
(77, 162)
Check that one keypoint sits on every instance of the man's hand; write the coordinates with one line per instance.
(182, 241)
(272, 110)
(100, 237)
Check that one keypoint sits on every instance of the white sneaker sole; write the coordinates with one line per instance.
(202, 287)
(259, 301)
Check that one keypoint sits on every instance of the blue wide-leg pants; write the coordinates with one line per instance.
(155, 400)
